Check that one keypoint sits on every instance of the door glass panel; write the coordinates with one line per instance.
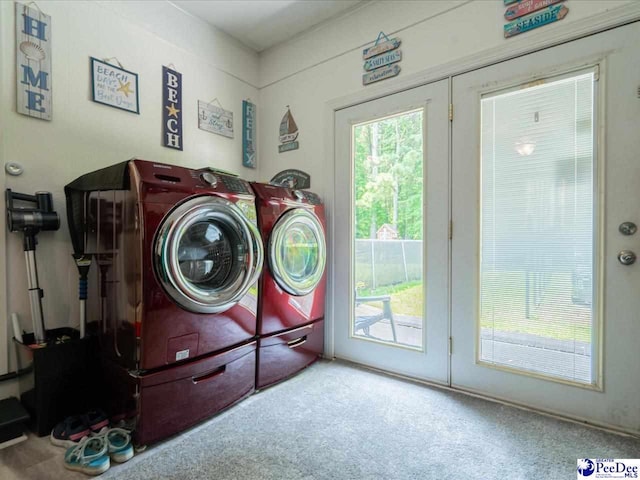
(537, 229)
(388, 243)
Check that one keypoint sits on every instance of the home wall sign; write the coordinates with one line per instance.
(292, 178)
(114, 86)
(549, 15)
(381, 60)
(288, 133)
(526, 7)
(249, 154)
(33, 62)
(215, 119)
(171, 108)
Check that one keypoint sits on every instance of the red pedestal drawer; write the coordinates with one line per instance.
(282, 355)
(179, 397)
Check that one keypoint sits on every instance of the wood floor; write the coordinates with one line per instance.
(35, 458)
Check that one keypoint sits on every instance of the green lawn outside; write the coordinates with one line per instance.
(503, 306)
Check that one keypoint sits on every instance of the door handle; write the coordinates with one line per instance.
(627, 257)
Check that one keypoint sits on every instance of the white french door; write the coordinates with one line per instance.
(544, 175)
(531, 294)
(390, 240)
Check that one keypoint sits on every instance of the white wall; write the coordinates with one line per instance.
(315, 69)
(84, 135)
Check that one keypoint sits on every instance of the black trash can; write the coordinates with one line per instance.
(60, 379)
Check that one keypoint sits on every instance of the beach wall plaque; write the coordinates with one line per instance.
(381, 60)
(114, 86)
(171, 108)
(215, 119)
(288, 133)
(249, 135)
(538, 19)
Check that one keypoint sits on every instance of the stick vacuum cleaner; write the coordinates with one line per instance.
(30, 221)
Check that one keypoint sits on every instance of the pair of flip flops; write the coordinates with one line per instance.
(73, 429)
(93, 455)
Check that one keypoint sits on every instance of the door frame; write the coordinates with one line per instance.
(597, 63)
(429, 361)
(587, 403)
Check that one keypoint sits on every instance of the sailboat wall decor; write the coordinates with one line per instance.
(288, 133)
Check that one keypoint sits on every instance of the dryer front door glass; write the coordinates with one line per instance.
(297, 252)
(207, 254)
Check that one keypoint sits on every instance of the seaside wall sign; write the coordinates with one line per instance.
(114, 86)
(288, 133)
(33, 67)
(249, 154)
(549, 12)
(381, 60)
(215, 119)
(171, 108)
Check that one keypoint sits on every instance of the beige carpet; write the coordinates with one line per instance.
(337, 421)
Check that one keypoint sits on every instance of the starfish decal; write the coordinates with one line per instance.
(125, 88)
(173, 111)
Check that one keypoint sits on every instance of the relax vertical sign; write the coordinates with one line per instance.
(171, 108)
(33, 67)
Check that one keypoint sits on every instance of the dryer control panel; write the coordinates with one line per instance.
(311, 197)
(221, 181)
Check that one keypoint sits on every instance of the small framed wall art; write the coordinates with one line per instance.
(114, 86)
(215, 119)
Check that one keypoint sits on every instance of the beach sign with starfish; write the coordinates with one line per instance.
(114, 86)
(171, 108)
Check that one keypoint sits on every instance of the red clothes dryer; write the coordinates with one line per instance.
(174, 294)
(292, 287)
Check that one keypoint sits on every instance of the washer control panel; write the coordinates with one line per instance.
(235, 185)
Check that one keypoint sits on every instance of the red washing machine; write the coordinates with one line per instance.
(173, 294)
(292, 287)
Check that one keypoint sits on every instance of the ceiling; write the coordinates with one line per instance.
(260, 24)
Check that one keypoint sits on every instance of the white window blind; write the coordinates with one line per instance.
(537, 229)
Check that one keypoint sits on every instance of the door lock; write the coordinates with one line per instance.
(627, 257)
(627, 228)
